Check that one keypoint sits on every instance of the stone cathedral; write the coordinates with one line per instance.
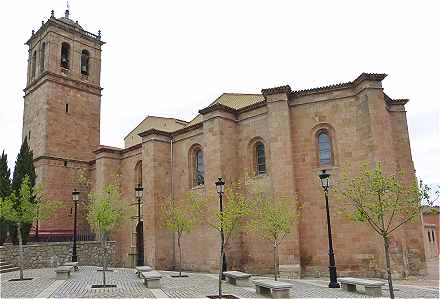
(282, 137)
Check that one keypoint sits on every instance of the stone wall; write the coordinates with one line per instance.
(52, 254)
(288, 129)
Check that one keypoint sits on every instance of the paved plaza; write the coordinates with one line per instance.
(197, 285)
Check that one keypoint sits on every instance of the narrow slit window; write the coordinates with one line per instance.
(325, 155)
(260, 158)
(199, 169)
(138, 173)
(67, 108)
(42, 57)
(34, 64)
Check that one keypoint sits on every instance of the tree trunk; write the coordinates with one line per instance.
(220, 274)
(103, 260)
(20, 248)
(387, 258)
(180, 255)
(275, 269)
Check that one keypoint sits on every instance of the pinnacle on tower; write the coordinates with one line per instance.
(66, 13)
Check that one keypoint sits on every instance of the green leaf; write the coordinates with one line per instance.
(106, 209)
(384, 201)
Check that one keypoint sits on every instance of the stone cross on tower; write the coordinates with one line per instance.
(67, 12)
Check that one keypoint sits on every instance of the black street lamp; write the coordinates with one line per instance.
(37, 236)
(139, 193)
(220, 185)
(75, 198)
(325, 183)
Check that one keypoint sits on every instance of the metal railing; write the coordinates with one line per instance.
(61, 237)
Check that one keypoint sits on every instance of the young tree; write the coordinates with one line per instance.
(428, 196)
(236, 206)
(180, 216)
(383, 201)
(105, 212)
(5, 190)
(23, 210)
(23, 166)
(272, 219)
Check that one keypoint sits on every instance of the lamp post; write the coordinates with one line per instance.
(37, 237)
(325, 183)
(139, 193)
(220, 186)
(75, 198)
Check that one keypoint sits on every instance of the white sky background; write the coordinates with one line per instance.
(172, 58)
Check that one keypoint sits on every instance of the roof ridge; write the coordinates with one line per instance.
(274, 90)
(391, 101)
(244, 94)
(164, 117)
(325, 87)
(355, 82)
(217, 106)
(369, 76)
(153, 116)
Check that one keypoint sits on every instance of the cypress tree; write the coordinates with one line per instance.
(5, 190)
(23, 166)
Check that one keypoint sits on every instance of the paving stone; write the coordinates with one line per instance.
(80, 283)
(196, 285)
(43, 278)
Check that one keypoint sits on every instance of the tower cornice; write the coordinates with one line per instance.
(52, 21)
(63, 80)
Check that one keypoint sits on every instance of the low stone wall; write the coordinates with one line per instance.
(42, 255)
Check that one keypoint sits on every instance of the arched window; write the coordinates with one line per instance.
(199, 173)
(85, 62)
(42, 56)
(260, 158)
(34, 64)
(138, 173)
(325, 153)
(65, 55)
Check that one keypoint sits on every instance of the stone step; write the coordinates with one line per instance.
(9, 269)
(3, 263)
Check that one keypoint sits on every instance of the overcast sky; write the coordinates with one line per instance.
(172, 58)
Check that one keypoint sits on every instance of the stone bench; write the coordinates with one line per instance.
(73, 264)
(151, 279)
(140, 269)
(276, 289)
(372, 287)
(63, 272)
(237, 278)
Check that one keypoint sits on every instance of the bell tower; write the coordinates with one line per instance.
(62, 104)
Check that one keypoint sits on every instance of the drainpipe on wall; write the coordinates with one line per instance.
(172, 199)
